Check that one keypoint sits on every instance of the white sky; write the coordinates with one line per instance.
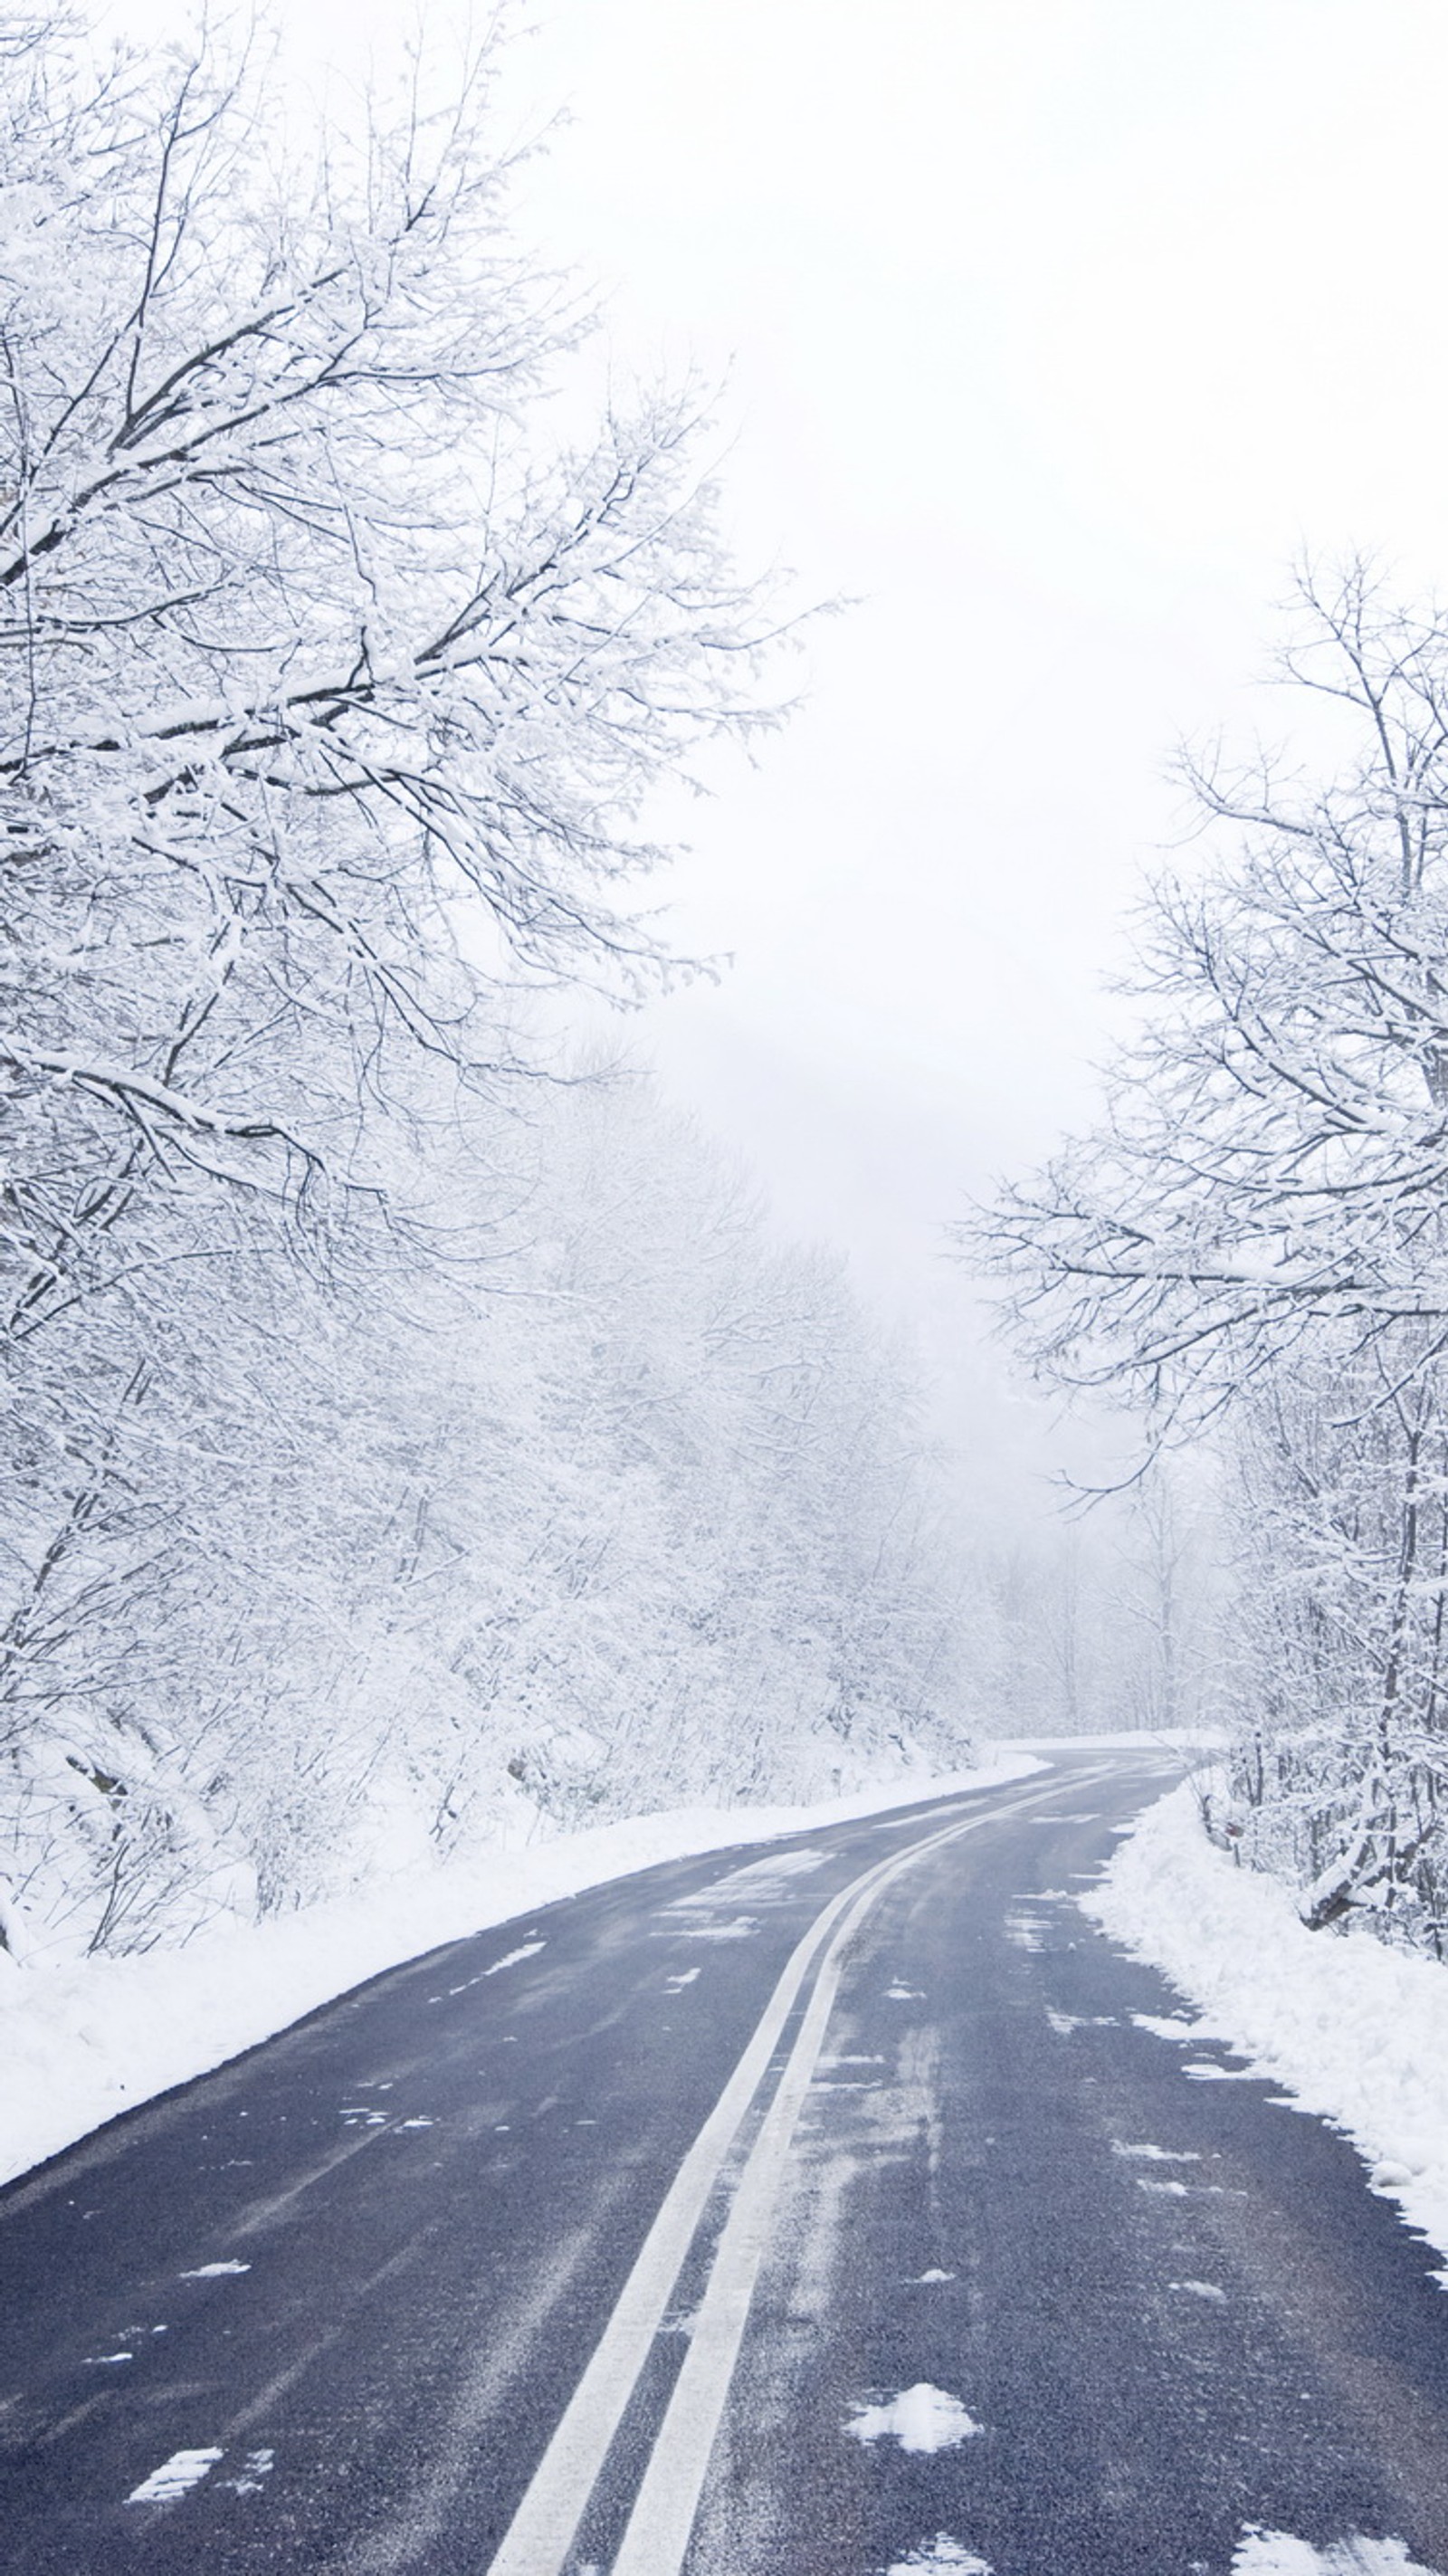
(1056, 328)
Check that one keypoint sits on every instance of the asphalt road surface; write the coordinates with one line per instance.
(821, 2209)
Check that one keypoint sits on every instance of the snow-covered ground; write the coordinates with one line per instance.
(1125, 1739)
(1352, 2030)
(1260, 2553)
(1276, 2553)
(82, 2042)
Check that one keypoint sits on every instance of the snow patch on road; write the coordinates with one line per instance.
(1352, 2030)
(1276, 2553)
(921, 2418)
(82, 2042)
(1157, 2155)
(255, 2468)
(175, 2477)
(942, 2551)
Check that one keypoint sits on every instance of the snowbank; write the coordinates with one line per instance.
(82, 2042)
(1126, 1739)
(1354, 2031)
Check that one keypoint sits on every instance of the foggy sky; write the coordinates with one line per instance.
(1057, 329)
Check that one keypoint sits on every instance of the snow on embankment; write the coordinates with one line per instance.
(1353, 2030)
(1276, 2553)
(82, 2042)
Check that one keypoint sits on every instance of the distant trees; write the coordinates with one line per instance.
(332, 686)
(643, 1516)
(1108, 1619)
(1257, 1236)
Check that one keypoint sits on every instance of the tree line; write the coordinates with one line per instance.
(1251, 1249)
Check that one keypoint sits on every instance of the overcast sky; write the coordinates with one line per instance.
(1054, 329)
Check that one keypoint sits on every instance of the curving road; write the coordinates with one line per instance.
(826, 2209)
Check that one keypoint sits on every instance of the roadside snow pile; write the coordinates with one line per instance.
(1355, 2031)
(80, 2043)
(1123, 1739)
(1276, 2553)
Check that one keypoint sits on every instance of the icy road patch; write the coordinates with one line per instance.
(759, 1882)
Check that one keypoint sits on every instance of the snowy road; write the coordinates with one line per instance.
(820, 2211)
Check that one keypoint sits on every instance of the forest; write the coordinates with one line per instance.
(417, 1432)
(413, 1432)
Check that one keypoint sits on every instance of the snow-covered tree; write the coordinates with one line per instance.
(332, 684)
(640, 1514)
(408, 1437)
(1257, 1235)
(1275, 1155)
(1341, 1468)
